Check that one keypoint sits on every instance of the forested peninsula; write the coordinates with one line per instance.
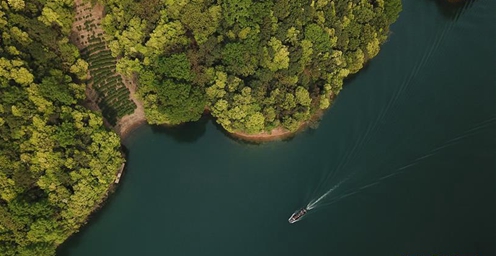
(72, 79)
(256, 65)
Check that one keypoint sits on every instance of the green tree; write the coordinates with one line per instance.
(176, 66)
(47, 140)
(283, 60)
(392, 9)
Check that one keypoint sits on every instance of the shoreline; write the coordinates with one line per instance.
(276, 134)
(124, 125)
(128, 124)
(124, 132)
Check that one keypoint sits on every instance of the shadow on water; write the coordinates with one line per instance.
(190, 132)
(452, 9)
(185, 133)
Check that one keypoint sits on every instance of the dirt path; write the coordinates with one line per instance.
(130, 122)
(87, 15)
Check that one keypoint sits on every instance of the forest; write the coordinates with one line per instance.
(57, 160)
(255, 65)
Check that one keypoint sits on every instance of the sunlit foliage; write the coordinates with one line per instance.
(56, 159)
(260, 64)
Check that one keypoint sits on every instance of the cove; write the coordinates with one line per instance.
(192, 190)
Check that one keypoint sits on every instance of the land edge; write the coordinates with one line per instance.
(126, 125)
(276, 134)
(279, 133)
(129, 123)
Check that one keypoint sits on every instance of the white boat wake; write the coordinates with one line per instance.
(314, 203)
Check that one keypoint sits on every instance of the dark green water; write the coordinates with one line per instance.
(430, 92)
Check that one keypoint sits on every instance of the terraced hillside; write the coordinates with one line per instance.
(113, 98)
(112, 95)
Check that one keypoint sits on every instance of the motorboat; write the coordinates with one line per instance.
(296, 216)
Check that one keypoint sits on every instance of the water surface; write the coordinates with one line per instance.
(427, 100)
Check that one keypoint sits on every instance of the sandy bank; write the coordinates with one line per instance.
(278, 133)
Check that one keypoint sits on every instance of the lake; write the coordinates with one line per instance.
(408, 150)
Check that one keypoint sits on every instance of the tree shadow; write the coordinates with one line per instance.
(452, 9)
(184, 133)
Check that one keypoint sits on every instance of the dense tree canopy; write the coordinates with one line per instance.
(255, 64)
(56, 159)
